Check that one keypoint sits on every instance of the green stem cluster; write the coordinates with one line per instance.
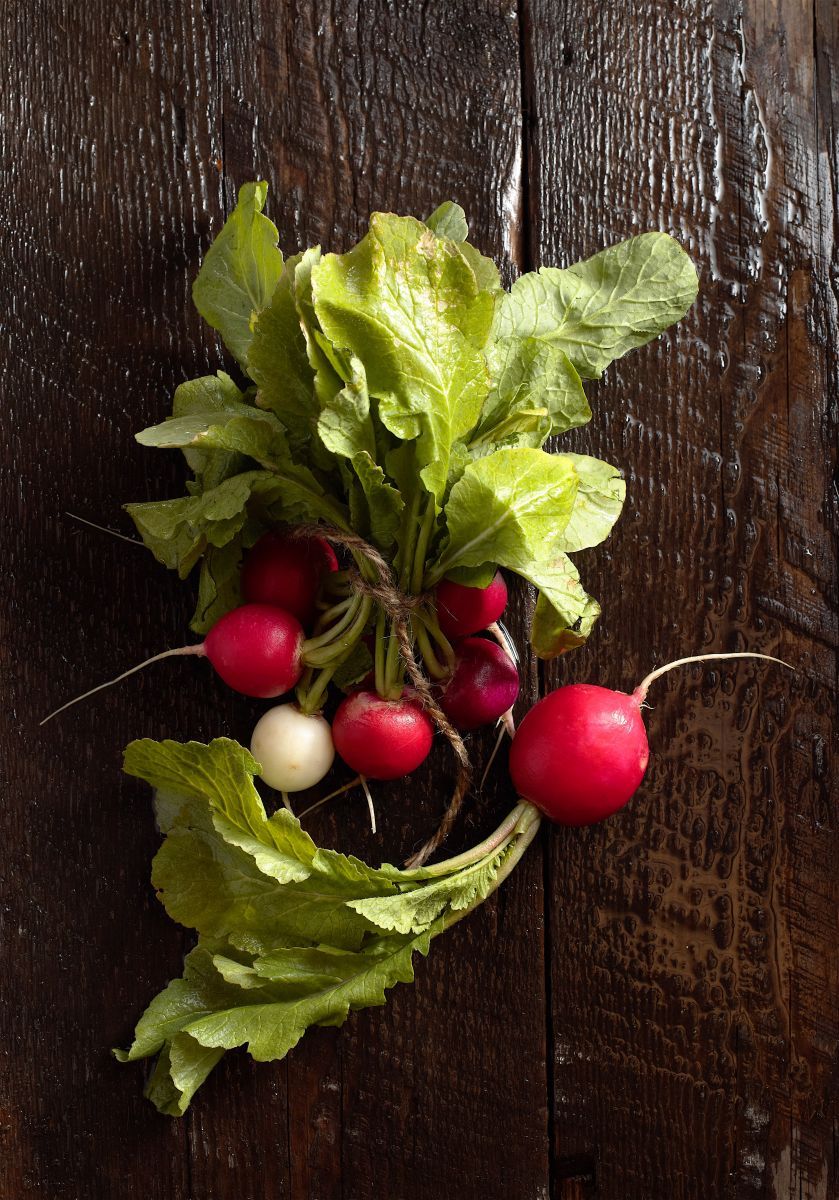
(346, 615)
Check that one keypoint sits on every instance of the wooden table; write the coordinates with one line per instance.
(649, 1009)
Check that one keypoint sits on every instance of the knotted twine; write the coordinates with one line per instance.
(399, 606)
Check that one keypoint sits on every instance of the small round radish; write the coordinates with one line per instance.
(483, 685)
(462, 610)
(381, 739)
(256, 649)
(581, 752)
(288, 572)
(294, 749)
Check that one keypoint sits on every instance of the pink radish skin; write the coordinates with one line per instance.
(483, 686)
(463, 610)
(381, 739)
(288, 572)
(256, 649)
(581, 752)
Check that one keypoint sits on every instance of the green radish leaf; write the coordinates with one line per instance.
(212, 393)
(418, 908)
(535, 393)
(598, 503)
(178, 532)
(564, 615)
(202, 428)
(599, 309)
(346, 428)
(290, 935)
(407, 304)
(524, 509)
(222, 775)
(345, 424)
(509, 508)
(197, 1017)
(239, 272)
(279, 365)
(449, 221)
(218, 585)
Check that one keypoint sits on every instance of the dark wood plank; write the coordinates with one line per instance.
(345, 109)
(692, 938)
(124, 141)
(111, 140)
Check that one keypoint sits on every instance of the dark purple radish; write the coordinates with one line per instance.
(382, 739)
(287, 571)
(463, 610)
(483, 685)
(256, 649)
(581, 752)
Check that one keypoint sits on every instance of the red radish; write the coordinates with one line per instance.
(256, 649)
(581, 752)
(381, 739)
(287, 571)
(483, 685)
(462, 610)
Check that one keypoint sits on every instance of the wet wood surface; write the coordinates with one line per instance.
(648, 1010)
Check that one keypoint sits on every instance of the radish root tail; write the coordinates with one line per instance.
(640, 693)
(197, 649)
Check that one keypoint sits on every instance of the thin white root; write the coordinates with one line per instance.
(505, 729)
(104, 529)
(338, 791)
(197, 649)
(287, 803)
(642, 688)
(502, 635)
(363, 782)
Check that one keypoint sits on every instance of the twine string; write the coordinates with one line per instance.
(399, 607)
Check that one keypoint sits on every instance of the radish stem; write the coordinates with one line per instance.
(493, 842)
(526, 832)
(640, 692)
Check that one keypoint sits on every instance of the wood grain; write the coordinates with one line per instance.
(694, 1022)
(665, 1027)
(124, 153)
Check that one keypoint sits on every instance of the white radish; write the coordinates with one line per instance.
(294, 748)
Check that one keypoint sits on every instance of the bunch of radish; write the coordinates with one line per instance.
(578, 756)
(261, 649)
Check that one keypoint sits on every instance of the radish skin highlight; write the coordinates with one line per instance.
(582, 751)
(382, 739)
(463, 610)
(483, 686)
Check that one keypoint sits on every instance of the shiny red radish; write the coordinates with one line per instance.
(256, 649)
(287, 571)
(463, 610)
(483, 685)
(581, 752)
(381, 739)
